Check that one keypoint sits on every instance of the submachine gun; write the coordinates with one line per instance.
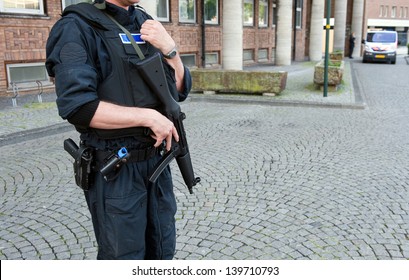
(151, 70)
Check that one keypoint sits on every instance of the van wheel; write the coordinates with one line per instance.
(393, 61)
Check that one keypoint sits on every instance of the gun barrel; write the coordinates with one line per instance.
(186, 169)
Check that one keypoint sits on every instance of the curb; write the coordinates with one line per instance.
(35, 133)
(270, 102)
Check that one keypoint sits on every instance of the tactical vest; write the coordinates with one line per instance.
(124, 86)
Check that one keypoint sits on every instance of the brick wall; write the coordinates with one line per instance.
(23, 38)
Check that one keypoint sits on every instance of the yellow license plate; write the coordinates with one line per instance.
(379, 56)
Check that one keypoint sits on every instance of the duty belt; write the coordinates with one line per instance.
(135, 155)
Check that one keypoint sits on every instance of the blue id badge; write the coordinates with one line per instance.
(136, 37)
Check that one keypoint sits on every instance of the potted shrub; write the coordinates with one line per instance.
(408, 48)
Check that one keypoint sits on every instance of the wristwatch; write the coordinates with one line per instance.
(171, 54)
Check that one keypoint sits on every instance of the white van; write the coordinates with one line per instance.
(380, 46)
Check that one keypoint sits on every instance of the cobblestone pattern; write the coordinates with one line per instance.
(277, 183)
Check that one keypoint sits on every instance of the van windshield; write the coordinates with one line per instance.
(381, 37)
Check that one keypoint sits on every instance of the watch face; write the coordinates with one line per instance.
(171, 54)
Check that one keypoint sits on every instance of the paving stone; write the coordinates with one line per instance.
(312, 179)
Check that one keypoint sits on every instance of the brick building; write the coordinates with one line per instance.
(389, 15)
(209, 33)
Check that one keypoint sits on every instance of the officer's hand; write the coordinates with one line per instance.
(153, 32)
(163, 129)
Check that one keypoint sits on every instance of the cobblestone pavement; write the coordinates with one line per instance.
(295, 181)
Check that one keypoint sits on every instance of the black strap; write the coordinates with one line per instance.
(128, 34)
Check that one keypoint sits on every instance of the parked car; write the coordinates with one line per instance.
(380, 46)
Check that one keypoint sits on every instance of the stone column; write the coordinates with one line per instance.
(232, 35)
(149, 6)
(284, 32)
(316, 30)
(340, 24)
(357, 21)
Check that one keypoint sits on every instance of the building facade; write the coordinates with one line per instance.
(389, 15)
(225, 34)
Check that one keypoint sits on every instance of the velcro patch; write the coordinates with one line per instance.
(136, 37)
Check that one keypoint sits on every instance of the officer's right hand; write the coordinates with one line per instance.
(163, 129)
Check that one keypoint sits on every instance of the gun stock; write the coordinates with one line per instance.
(151, 70)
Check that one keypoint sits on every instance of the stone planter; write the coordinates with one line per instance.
(238, 81)
(335, 74)
(337, 55)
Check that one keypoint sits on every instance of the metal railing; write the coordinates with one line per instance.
(15, 88)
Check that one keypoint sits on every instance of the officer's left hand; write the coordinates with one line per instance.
(153, 32)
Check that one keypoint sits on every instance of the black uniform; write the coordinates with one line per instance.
(132, 218)
(351, 45)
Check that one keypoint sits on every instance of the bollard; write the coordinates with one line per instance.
(40, 91)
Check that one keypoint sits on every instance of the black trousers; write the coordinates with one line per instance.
(133, 218)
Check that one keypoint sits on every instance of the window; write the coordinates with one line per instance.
(385, 11)
(66, 3)
(274, 13)
(26, 74)
(187, 11)
(248, 13)
(212, 59)
(406, 12)
(298, 14)
(248, 55)
(381, 11)
(188, 59)
(212, 11)
(22, 6)
(262, 55)
(162, 10)
(263, 13)
(393, 11)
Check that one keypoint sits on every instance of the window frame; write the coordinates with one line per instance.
(183, 20)
(264, 3)
(248, 23)
(29, 83)
(393, 12)
(64, 5)
(39, 11)
(298, 14)
(210, 22)
(274, 12)
(163, 19)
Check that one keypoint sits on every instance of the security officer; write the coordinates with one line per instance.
(100, 92)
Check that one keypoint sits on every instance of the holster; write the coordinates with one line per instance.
(84, 167)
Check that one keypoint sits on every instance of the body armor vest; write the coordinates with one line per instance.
(124, 86)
